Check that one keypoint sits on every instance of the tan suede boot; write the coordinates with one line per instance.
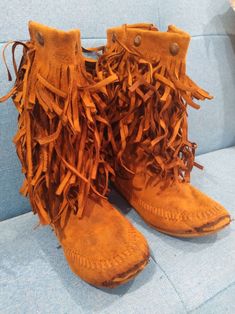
(62, 135)
(152, 154)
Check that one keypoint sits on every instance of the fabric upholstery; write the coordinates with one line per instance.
(183, 276)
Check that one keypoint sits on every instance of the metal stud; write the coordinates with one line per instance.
(174, 49)
(137, 40)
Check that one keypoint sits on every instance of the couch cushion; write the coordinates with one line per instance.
(196, 275)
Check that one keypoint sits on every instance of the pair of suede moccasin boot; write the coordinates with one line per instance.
(121, 115)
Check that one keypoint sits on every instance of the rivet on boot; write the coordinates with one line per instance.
(137, 41)
(174, 49)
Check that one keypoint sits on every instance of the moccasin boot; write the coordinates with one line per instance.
(61, 140)
(152, 155)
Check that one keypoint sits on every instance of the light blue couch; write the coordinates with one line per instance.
(183, 276)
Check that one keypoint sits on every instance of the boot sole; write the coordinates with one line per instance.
(121, 278)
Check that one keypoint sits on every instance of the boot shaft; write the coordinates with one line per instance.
(61, 134)
(52, 45)
(147, 41)
(149, 103)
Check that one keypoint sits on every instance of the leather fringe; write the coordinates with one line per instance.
(62, 134)
(149, 110)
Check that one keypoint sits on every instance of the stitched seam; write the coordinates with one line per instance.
(103, 263)
(169, 215)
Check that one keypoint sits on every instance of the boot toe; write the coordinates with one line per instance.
(114, 271)
(210, 221)
(130, 261)
(188, 223)
(180, 210)
(200, 217)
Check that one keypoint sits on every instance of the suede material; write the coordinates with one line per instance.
(180, 210)
(61, 146)
(153, 156)
(152, 41)
(193, 275)
(56, 45)
(103, 247)
(211, 49)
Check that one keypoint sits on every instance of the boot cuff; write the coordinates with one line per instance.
(148, 41)
(50, 43)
